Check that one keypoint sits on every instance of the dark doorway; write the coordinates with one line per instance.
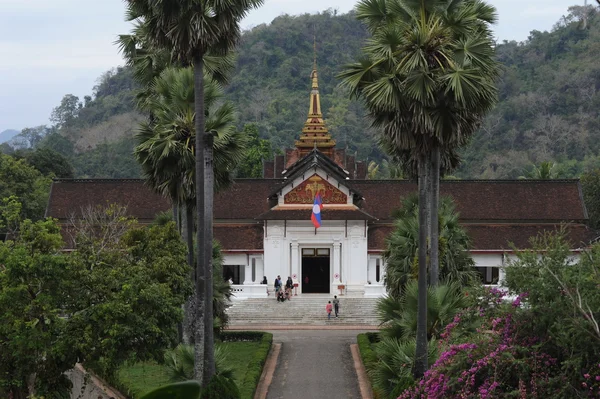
(233, 272)
(315, 271)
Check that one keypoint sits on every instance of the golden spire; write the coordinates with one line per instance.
(315, 133)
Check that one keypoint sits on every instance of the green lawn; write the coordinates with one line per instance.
(140, 378)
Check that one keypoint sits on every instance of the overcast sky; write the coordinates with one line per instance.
(49, 48)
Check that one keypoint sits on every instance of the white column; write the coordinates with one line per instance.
(295, 260)
(336, 263)
(248, 272)
(260, 270)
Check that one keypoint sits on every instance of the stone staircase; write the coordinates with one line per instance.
(305, 310)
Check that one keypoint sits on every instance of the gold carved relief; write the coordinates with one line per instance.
(305, 193)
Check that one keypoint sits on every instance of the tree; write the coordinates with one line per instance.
(116, 297)
(166, 144)
(401, 253)
(258, 150)
(545, 171)
(56, 142)
(50, 163)
(427, 79)
(31, 188)
(65, 114)
(191, 30)
(34, 135)
(590, 184)
(396, 351)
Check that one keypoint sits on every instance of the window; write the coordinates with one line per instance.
(489, 275)
(308, 252)
(377, 269)
(253, 269)
(322, 251)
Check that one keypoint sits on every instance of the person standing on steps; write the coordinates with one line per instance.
(336, 305)
(328, 309)
(277, 286)
(289, 286)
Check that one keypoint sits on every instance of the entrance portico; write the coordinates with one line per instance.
(338, 250)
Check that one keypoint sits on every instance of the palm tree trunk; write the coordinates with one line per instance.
(428, 223)
(200, 281)
(176, 216)
(189, 308)
(433, 213)
(421, 350)
(209, 177)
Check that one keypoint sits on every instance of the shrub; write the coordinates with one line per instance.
(220, 387)
(243, 336)
(256, 364)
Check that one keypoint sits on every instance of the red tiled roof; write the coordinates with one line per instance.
(496, 236)
(70, 196)
(245, 199)
(477, 200)
(234, 237)
(326, 214)
(523, 200)
(499, 236)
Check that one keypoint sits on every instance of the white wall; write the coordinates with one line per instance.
(283, 245)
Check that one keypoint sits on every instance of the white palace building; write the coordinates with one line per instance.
(265, 229)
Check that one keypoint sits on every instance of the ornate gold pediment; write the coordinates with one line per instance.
(306, 191)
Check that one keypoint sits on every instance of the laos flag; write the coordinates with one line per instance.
(316, 211)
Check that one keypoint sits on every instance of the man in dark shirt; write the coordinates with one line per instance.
(336, 305)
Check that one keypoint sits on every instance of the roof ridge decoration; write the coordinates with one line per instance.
(314, 133)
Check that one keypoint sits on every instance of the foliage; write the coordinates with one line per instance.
(65, 114)
(165, 147)
(26, 183)
(220, 387)
(399, 316)
(548, 108)
(392, 373)
(254, 370)
(493, 363)
(50, 163)
(257, 151)
(543, 342)
(590, 184)
(392, 367)
(33, 350)
(456, 264)
(563, 303)
(116, 297)
(180, 362)
(137, 379)
(142, 278)
(545, 171)
(178, 390)
(233, 336)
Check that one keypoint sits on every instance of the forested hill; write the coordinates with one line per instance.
(548, 109)
(271, 85)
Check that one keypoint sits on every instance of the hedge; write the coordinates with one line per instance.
(255, 367)
(367, 354)
(242, 336)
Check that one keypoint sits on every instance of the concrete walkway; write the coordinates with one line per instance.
(314, 364)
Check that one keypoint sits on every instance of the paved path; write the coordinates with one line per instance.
(315, 364)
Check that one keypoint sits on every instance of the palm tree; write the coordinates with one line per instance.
(190, 29)
(427, 78)
(166, 145)
(545, 171)
(402, 245)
